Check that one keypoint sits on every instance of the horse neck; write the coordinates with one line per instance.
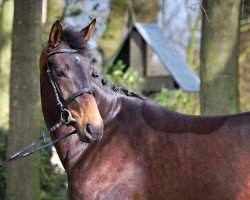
(109, 103)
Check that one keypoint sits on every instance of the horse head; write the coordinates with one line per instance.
(64, 64)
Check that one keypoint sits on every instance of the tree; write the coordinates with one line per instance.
(22, 179)
(219, 57)
(6, 19)
(193, 27)
(244, 58)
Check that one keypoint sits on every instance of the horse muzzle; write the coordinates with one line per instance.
(90, 133)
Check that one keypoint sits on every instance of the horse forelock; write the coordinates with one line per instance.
(74, 39)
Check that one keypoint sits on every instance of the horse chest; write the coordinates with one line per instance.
(107, 179)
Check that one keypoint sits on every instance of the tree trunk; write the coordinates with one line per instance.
(23, 175)
(219, 57)
(6, 20)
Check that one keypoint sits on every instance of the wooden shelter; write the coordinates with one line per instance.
(146, 50)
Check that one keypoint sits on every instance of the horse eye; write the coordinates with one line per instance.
(60, 73)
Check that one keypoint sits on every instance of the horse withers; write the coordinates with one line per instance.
(131, 148)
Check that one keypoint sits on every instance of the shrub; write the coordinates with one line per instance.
(123, 76)
(178, 100)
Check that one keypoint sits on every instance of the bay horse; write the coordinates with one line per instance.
(127, 147)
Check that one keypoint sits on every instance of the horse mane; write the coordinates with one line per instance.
(113, 87)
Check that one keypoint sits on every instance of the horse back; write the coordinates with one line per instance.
(205, 157)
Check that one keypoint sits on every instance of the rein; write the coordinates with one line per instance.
(26, 151)
(66, 116)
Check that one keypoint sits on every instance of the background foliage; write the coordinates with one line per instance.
(128, 79)
(53, 181)
(178, 100)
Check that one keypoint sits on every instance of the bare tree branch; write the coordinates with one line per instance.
(195, 6)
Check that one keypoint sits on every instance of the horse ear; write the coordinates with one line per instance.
(88, 31)
(55, 34)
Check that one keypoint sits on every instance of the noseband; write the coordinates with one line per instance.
(66, 115)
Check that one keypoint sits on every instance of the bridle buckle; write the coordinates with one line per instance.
(67, 118)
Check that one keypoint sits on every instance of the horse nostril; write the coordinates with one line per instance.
(89, 128)
(92, 133)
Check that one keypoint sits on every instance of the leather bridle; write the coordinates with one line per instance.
(65, 113)
(66, 116)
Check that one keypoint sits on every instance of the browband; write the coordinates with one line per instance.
(61, 51)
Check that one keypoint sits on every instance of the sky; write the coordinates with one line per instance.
(173, 20)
